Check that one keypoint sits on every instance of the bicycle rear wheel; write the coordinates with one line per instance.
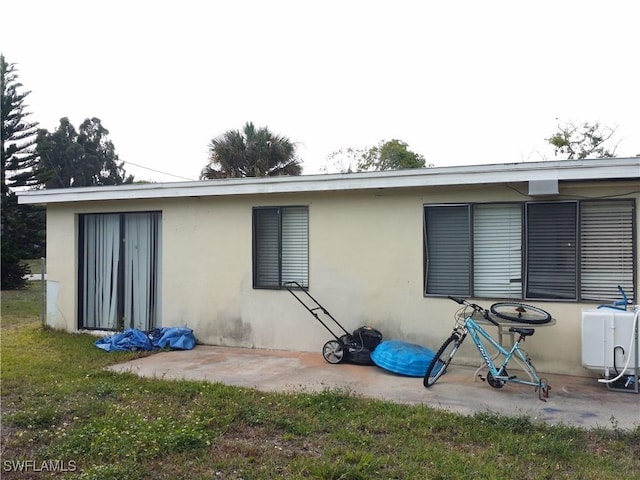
(441, 360)
(521, 313)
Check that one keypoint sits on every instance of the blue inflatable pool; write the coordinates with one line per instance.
(402, 357)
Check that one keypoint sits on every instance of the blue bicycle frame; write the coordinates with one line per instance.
(475, 331)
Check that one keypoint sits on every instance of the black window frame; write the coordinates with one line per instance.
(155, 311)
(581, 293)
(259, 257)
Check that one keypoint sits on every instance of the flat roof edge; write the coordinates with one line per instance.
(562, 170)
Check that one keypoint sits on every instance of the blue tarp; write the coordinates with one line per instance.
(132, 340)
(403, 357)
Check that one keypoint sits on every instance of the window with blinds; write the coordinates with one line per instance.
(570, 250)
(447, 250)
(606, 254)
(280, 246)
(551, 251)
(497, 250)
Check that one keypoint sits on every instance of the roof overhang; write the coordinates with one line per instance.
(557, 171)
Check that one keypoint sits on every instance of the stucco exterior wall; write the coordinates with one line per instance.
(365, 267)
(61, 265)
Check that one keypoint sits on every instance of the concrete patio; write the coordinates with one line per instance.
(577, 401)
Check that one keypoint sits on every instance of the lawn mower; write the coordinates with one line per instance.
(353, 347)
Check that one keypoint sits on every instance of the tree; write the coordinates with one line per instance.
(582, 141)
(82, 158)
(344, 160)
(17, 140)
(387, 155)
(391, 155)
(251, 153)
(22, 225)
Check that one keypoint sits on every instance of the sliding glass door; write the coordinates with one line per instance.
(120, 270)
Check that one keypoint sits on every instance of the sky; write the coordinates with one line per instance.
(461, 82)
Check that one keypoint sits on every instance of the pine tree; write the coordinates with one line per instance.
(22, 226)
(17, 138)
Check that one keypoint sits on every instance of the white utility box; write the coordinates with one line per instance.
(606, 337)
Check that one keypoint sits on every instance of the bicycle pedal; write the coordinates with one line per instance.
(482, 378)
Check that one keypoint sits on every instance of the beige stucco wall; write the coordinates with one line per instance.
(365, 264)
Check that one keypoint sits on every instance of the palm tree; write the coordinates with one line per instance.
(251, 153)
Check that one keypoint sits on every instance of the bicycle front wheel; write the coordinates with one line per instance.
(441, 360)
(521, 313)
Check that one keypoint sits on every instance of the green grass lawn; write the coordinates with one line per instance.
(59, 404)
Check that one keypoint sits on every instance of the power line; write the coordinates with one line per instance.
(157, 171)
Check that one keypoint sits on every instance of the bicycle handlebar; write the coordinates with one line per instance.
(476, 307)
(463, 301)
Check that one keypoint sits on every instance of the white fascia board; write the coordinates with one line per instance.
(562, 170)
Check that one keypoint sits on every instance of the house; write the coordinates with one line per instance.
(381, 248)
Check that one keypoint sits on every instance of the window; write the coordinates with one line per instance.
(497, 250)
(280, 246)
(119, 270)
(448, 253)
(573, 250)
(551, 250)
(606, 256)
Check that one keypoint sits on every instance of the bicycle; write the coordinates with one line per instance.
(497, 375)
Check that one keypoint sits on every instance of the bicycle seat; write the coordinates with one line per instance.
(525, 332)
